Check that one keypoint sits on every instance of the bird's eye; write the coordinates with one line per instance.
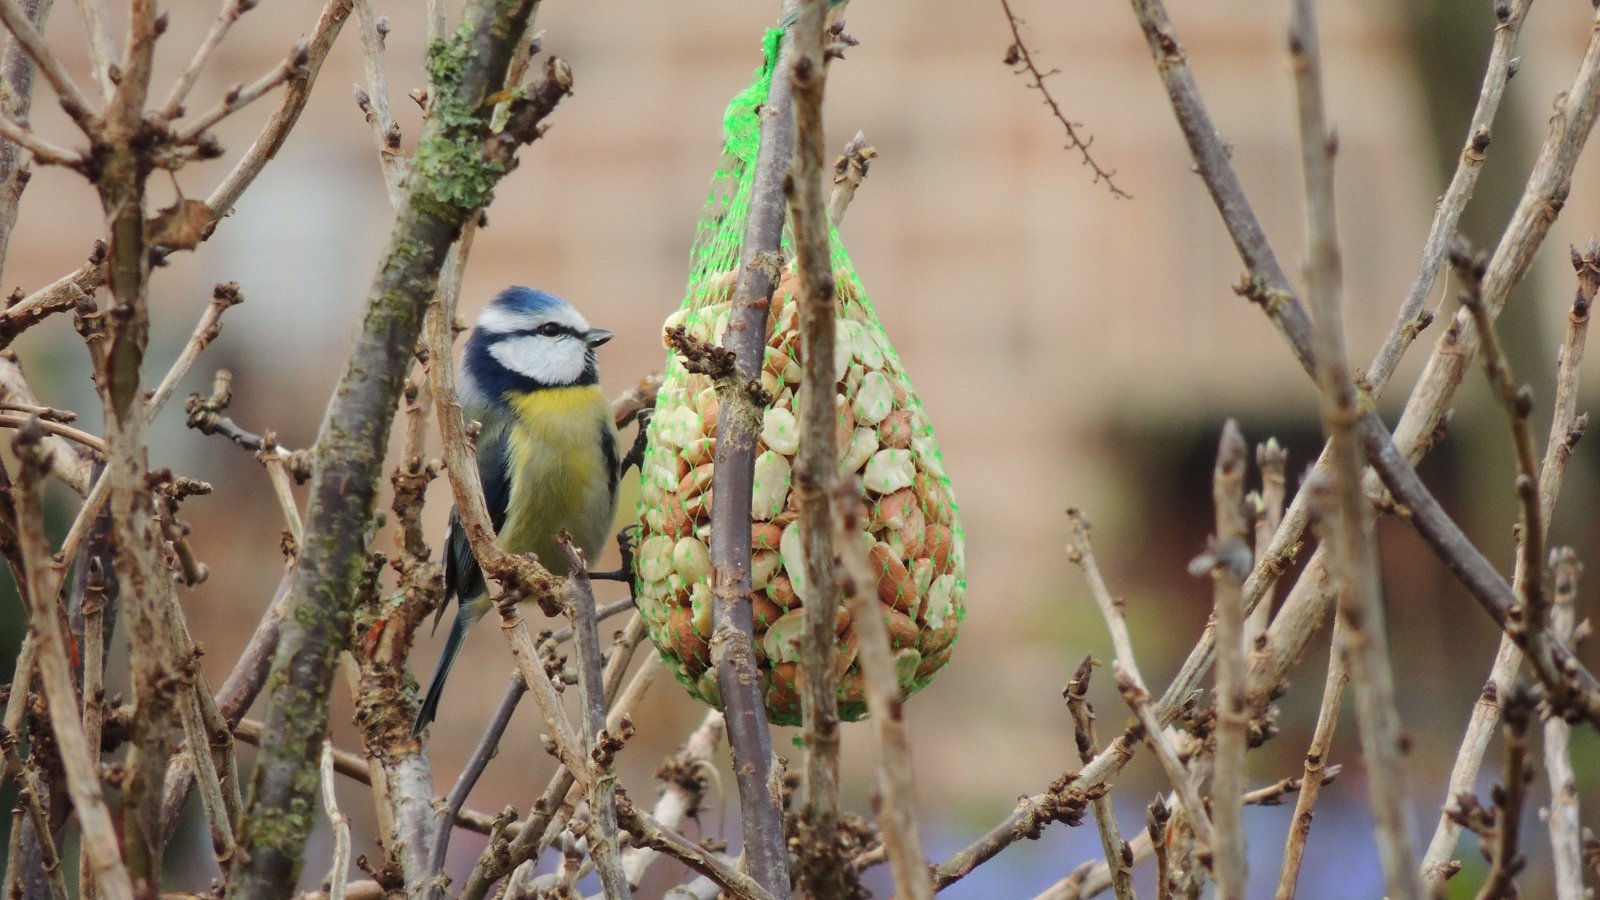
(549, 329)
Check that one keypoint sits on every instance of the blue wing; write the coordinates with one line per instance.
(462, 577)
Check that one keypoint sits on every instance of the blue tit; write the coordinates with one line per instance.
(547, 448)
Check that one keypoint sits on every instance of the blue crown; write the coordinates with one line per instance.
(527, 300)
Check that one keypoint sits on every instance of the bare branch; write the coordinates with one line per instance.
(1120, 857)
(897, 815)
(55, 673)
(849, 170)
(33, 794)
(42, 150)
(339, 872)
(1194, 809)
(230, 12)
(1021, 59)
(1565, 825)
(732, 651)
(241, 95)
(816, 470)
(72, 98)
(1317, 772)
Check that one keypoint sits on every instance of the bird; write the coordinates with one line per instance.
(547, 449)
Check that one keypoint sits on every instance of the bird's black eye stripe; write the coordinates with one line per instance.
(552, 329)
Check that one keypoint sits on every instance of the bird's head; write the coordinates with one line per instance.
(526, 340)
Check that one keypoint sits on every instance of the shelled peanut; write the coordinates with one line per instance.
(912, 534)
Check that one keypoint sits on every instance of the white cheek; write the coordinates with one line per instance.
(547, 361)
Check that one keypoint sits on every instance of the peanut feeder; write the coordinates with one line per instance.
(912, 531)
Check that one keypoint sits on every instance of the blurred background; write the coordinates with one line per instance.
(1071, 348)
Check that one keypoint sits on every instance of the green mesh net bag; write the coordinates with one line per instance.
(913, 530)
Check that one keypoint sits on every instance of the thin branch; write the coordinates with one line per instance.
(1316, 770)
(684, 776)
(1194, 809)
(283, 119)
(1021, 59)
(55, 428)
(241, 95)
(61, 295)
(1506, 858)
(55, 673)
(229, 13)
(816, 469)
(1412, 318)
(732, 650)
(1354, 559)
(42, 150)
(897, 813)
(849, 170)
(1120, 858)
(206, 330)
(1081, 552)
(1565, 824)
(33, 793)
(599, 745)
(1518, 403)
(1273, 461)
(339, 871)
(100, 50)
(73, 100)
(1227, 561)
(649, 833)
(487, 747)
(1566, 428)
(373, 100)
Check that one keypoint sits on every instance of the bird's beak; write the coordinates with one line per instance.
(597, 336)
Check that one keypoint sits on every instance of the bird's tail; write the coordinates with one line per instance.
(466, 615)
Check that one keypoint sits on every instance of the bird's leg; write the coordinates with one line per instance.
(634, 458)
(627, 539)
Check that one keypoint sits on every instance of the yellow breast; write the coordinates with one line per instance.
(561, 476)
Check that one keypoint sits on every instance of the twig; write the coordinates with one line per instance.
(1354, 563)
(351, 446)
(684, 777)
(1273, 461)
(1081, 552)
(487, 747)
(42, 150)
(16, 100)
(100, 50)
(1156, 819)
(1564, 822)
(1019, 58)
(373, 100)
(1194, 809)
(648, 832)
(849, 170)
(821, 872)
(1572, 687)
(33, 794)
(206, 330)
(56, 428)
(1316, 770)
(283, 119)
(1119, 856)
(1227, 561)
(339, 872)
(241, 95)
(897, 818)
(732, 653)
(599, 745)
(1518, 403)
(1505, 859)
(1566, 428)
(60, 295)
(1412, 318)
(72, 98)
(55, 673)
(230, 12)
